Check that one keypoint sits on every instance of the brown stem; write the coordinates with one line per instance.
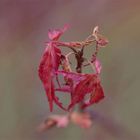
(80, 60)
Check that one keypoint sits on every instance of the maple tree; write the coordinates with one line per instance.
(77, 84)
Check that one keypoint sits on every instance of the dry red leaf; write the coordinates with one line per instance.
(54, 35)
(49, 64)
(96, 95)
(78, 85)
(82, 88)
(100, 39)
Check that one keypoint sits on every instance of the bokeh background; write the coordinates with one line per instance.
(23, 31)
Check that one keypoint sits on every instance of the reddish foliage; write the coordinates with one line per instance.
(54, 35)
(96, 95)
(82, 88)
(49, 64)
(78, 85)
(100, 39)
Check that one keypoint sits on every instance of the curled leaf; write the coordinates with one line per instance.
(100, 39)
(54, 35)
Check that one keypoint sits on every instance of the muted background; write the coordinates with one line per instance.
(23, 31)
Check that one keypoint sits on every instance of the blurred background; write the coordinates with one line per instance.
(23, 30)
